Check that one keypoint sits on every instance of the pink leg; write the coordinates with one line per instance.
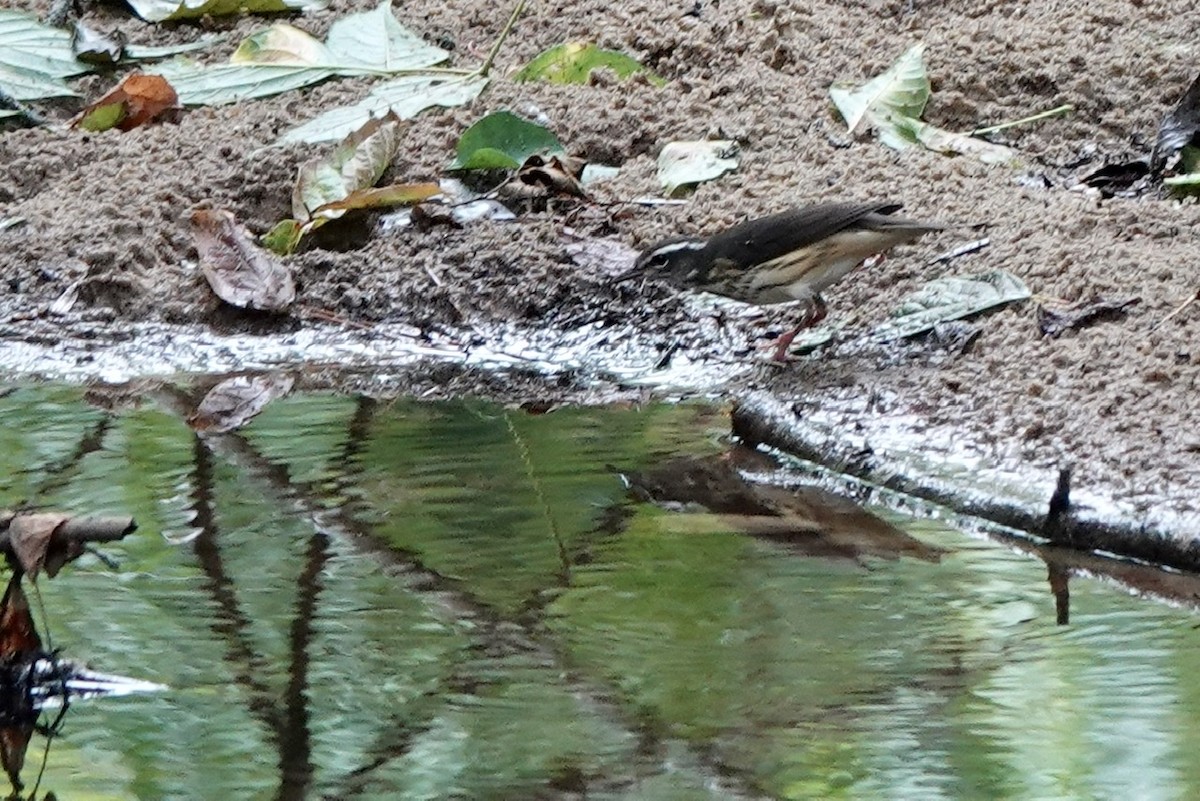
(815, 314)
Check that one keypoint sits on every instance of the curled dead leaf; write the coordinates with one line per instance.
(31, 536)
(239, 271)
(547, 175)
(135, 101)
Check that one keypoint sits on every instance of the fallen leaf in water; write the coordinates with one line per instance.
(1056, 322)
(241, 273)
(135, 101)
(233, 402)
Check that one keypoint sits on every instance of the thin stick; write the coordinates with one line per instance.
(961, 250)
(1054, 112)
(508, 26)
(1179, 309)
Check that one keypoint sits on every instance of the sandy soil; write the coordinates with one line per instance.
(1115, 398)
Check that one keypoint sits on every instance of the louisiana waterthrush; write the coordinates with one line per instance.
(788, 257)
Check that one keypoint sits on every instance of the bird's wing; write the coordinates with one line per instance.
(771, 237)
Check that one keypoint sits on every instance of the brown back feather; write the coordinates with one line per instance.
(771, 237)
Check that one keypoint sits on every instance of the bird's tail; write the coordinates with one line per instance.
(884, 219)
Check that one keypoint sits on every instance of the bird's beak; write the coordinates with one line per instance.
(631, 274)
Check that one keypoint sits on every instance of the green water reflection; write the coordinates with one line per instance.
(354, 599)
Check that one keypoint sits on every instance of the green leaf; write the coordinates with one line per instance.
(405, 97)
(951, 298)
(1189, 158)
(162, 10)
(284, 237)
(899, 132)
(282, 58)
(502, 140)
(892, 103)
(34, 58)
(573, 62)
(230, 83)
(376, 40)
(103, 117)
(903, 90)
(1189, 182)
(1189, 179)
(281, 44)
(684, 164)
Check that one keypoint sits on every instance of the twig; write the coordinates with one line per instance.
(327, 316)
(961, 250)
(1178, 309)
(80, 529)
(1054, 112)
(486, 67)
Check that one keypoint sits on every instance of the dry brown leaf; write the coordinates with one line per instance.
(357, 163)
(135, 101)
(540, 176)
(233, 402)
(382, 196)
(31, 536)
(239, 271)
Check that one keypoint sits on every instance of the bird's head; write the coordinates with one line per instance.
(675, 260)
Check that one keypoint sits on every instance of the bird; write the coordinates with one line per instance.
(792, 256)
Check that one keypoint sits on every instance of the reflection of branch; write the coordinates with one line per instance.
(564, 560)
(77, 529)
(395, 739)
(58, 475)
(231, 623)
(295, 745)
(444, 597)
(1059, 577)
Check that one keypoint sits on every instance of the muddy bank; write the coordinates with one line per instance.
(105, 214)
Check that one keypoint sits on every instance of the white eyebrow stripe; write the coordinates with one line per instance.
(675, 247)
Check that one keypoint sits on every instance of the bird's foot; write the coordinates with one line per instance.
(813, 315)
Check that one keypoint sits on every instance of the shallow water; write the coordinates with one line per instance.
(361, 599)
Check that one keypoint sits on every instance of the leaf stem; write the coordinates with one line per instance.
(1054, 112)
(486, 67)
